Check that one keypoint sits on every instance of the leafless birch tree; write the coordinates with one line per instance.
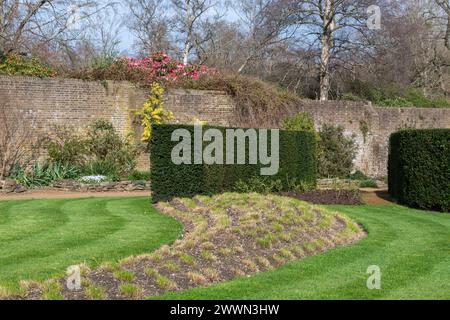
(189, 16)
(334, 26)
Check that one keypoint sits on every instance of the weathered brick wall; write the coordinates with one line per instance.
(77, 103)
(68, 101)
(214, 107)
(372, 127)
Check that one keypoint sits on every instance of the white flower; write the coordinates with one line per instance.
(93, 179)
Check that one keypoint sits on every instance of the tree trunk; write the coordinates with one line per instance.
(327, 47)
(186, 53)
(189, 30)
(242, 67)
(447, 33)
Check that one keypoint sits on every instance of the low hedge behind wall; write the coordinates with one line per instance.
(419, 168)
(168, 180)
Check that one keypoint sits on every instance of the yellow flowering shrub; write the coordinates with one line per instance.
(153, 111)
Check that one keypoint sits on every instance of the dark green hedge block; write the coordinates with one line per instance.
(297, 154)
(419, 168)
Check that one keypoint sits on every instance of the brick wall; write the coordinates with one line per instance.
(356, 117)
(77, 102)
(69, 101)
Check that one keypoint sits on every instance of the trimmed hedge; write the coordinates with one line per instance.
(419, 168)
(168, 180)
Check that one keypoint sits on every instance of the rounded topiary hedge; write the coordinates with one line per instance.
(419, 168)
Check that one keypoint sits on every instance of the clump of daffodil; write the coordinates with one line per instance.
(153, 111)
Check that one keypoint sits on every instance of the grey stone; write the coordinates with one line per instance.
(20, 189)
(9, 183)
(66, 184)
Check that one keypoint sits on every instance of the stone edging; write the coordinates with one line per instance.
(11, 186)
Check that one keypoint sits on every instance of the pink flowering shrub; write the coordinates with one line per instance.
(159, 67)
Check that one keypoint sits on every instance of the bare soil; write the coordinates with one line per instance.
(377, 197)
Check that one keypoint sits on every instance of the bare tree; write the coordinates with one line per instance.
(327, 14)
(97, 45)
(166, 25)
(24, 24)
(333, 26)
(224, 48)
(16, 136)
(409, 51)
(189, 17)
(148, 21)
(445, 6)
(267, 22)
(17, 18)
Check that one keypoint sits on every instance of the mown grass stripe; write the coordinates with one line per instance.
(27, 221)
(53, 234)
(65, 237)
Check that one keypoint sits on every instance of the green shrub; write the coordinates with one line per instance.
(393, 95)
(351, 97)
(41, 174)
(368, 183)
(300, 122)
(358, 175)
(364, 181)
(118, 70)
(297, 161)
(110, 153)
(102, 138)
(303, 122)
(259, 185)
(337, 152)
(100, 151)
(66, 146)
(136, 175)
(101, 168)
(18, 65)
(419, 168)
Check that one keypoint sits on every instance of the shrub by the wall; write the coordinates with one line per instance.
(419, 168)
(337, 152)
(108, 148)
(297, 166)
(300, 122)
(100, 150)
(66, 146)
(18, 65)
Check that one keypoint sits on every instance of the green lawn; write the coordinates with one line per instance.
(41, 238)
(411, 247)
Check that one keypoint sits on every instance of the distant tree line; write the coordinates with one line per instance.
(322, 49)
